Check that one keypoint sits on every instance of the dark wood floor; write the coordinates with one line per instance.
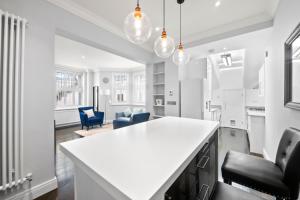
(229, 139)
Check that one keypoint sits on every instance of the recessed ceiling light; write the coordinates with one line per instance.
(83, 57)
(218, 3)
(157, 28)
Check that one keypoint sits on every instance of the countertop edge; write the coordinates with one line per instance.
(111, 189)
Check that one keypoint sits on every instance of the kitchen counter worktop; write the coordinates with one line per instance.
(141, 161)
(257, 113)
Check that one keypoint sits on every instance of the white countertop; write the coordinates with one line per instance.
(257, 113)
(135, 162)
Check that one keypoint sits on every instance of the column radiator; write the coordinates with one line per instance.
(12, 43)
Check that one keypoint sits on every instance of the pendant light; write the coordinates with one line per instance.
(180, 56)
(137, 26)
(164, 45)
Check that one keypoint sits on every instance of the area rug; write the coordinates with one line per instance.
(93, 131)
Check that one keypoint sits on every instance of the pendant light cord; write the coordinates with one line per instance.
(138, 2)
(164, 14)
(180, 25)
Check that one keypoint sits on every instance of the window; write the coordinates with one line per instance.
(120, 87)
(69, 89)
(138, 88)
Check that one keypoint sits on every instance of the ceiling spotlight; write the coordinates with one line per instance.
(218, 3)
(83, 57)
(157, 28)
(227, 60)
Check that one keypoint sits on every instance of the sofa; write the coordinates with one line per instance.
(90, 121)
(122, 120)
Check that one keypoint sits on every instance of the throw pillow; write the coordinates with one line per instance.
(127, 112)
(137, 111)
(89, 113)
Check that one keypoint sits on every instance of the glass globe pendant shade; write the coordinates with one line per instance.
(180, 57)
(137, 26)
(164, 46)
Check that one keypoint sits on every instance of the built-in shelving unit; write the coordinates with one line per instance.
(159, 90)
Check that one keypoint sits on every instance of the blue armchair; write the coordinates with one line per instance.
(87, 122)
(122, 121)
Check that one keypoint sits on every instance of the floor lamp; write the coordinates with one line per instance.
(106, 96)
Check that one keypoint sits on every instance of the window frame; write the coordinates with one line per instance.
(80, 89)
(116, 87)
(135, 101)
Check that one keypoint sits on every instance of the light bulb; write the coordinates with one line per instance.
(164, 45)
(180, 57)
(137, 26)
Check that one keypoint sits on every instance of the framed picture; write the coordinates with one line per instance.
(159, 102)
(292, 70)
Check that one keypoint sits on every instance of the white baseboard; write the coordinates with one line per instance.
(36, 191)
(266, 155)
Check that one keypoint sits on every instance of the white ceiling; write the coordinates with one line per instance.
(200, 17)
(255, 45)
(75, 54)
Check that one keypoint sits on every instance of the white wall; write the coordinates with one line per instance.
(149, 88)
(45, 20)
(112, 108)
(277, 116)
(171, 84)
(253, 99)
(232, 79)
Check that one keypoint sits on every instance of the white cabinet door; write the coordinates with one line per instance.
(207, 93)
(233, 108)
(191, 99)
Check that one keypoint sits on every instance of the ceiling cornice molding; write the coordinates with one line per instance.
(257, 22)
(93, 18)
(273, 8)
(71, 68)
(89, 16)
(100, 69)
(229, 33)
(104, 69)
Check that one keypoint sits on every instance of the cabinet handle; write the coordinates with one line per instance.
(204, 165)
(205, 147)
(206, 192)
(168, 197)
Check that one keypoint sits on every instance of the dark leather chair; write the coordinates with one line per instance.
(280, 179)
(227, 192)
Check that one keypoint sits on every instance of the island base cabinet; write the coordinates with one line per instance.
(87, 188)
(198, 180)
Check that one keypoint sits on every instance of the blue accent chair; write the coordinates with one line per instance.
(122, 121)
(88, 122)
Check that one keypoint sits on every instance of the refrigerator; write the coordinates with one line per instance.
(191, 98)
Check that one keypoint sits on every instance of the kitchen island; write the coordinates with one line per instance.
(167, 158)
